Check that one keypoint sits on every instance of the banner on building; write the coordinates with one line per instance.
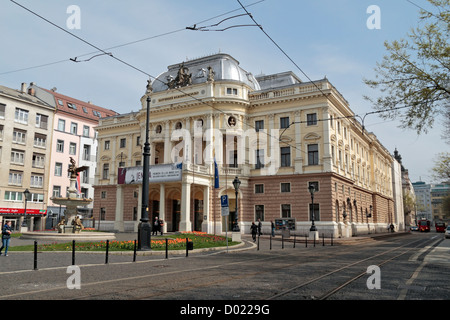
(21, 211)
(156, 173)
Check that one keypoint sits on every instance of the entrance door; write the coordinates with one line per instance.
(176, 215)
(198, 214)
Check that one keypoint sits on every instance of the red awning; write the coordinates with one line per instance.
(21, 211)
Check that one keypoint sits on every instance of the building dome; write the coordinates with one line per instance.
(224, 67)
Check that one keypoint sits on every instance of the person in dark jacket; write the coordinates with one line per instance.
(6, 237)
(254, 230)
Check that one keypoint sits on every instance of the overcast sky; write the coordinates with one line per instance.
(322, 38)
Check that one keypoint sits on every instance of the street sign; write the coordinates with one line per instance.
(224, 204)
(224, 201)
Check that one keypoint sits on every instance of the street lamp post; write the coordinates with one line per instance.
(145, 228)
(26, 194)
(236, 184)
(312, 190)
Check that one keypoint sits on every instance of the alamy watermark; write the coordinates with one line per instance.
(374, 280)
(374, 20)
(74, 20)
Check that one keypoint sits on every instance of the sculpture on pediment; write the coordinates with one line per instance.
(183, 78)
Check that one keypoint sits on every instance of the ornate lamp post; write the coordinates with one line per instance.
(311, 191)
(26, 193)
(236, 184)
(145, 228)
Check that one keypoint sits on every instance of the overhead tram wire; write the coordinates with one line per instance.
(127, 43)
(150, 76)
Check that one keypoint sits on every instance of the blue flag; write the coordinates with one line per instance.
(216, 175)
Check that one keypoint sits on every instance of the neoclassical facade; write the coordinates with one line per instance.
(277, 134)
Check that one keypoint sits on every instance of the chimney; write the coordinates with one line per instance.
(23, 87)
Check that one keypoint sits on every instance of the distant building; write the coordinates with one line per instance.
(423, 200)
(438, 192)
(277, 134)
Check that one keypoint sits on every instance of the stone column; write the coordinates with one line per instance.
(167, 143)
(118, 222)
(206, 224)
(185, 219)
(162, 205)
(298, 160)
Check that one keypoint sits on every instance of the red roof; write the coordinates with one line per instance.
(80, 108)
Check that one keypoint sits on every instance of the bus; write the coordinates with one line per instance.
(424, 225)
(440, 226)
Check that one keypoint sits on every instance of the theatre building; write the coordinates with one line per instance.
(277, 134)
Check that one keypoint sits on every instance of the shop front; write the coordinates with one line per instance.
(32, 219)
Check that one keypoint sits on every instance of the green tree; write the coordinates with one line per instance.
(441, 168)
(413, 77)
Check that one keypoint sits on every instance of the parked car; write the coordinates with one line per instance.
(447, 232)
(414, 228)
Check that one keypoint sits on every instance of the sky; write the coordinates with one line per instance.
(312, 38)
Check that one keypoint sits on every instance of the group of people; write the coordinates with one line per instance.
(256, 229)
(158, 225)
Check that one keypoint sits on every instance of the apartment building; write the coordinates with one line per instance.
(26, 124)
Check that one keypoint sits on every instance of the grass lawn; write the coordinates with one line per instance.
(175, 242)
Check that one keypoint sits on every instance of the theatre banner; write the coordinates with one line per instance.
(157, 173)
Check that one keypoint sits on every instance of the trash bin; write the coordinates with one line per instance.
(190, 245)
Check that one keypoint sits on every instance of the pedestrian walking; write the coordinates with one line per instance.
(161, 226)
(6, 237)
(273, 228)
(254, 231)
(156, 227)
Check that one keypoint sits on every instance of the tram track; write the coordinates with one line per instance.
(207, 278)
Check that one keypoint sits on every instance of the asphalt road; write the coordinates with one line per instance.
(414, 266)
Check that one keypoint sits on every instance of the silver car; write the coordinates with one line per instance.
(447, 232)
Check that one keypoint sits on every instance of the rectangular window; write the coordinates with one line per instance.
(316, 212)
(106, 171)
(41, 121)
(15, 178)
(36, 181)
(87, 152)
(37, 197)
(17, 157)
(56, 191)
(72, 148)
(259, 188)
(285, 187)
(107, 144)
(59, 146)
(285, 156)
(103, 195)
(2, 110)
(259, 159)
(259, 212)
(86, 131)
(21, 116)
(19, 136)
(74, 128)
(284, 122)
(13, 196)
(232, 91)
(38, 160)
(102, 213)
(285, 210)
(259, 125)
(313, 154)
(315, 184)
(58, 169)
(311, 119)
(40, 140)
(123, 142)
(61, 125)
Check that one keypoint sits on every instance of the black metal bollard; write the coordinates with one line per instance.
(314, 239)
(134, 251)
(331, 239)
(306, 241)
(187, 250)
(258, 244)
(73, 252)
(107, 251)
(295, 237)
(323, 240)
(35, 255)
(167, 248)
(282, 241)
(270, 241)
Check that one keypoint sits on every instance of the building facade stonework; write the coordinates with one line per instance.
(277, 134)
